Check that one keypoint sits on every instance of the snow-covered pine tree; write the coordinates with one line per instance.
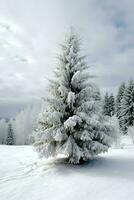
(106, 109)
(72, 123)
(119, 99)
(126, 116)
(111, 105)
(10, 135)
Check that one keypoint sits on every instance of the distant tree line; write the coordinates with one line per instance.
(17, 131)
(122, 106)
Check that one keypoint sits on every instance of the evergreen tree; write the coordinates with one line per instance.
(72, 123)
(106, 110)
(10, 135)
(111, 105)
(126, 116)
(119, 99)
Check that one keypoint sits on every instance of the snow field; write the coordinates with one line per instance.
(23, 176)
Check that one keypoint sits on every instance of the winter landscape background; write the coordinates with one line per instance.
(81, 119)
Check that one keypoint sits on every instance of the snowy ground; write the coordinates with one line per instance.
(108, 177)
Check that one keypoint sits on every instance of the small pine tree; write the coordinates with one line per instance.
(10, 135)
(119, 99)
(106, 110)
(111, 105)
(72, 123)
(126, 116)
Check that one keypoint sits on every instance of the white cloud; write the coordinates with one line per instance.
(30, 32)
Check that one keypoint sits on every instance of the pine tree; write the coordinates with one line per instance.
(72, 123)
(119, 99)
(111, 101)
(109, 105)
(106, 110)
(126, 116)
(10, 135)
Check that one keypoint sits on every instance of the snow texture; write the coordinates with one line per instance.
(25, 177)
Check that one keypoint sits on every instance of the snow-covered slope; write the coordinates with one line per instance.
(23, 177)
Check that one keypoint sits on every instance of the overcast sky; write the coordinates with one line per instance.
(30, 34)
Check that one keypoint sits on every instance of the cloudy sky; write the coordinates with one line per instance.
(30, 34)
